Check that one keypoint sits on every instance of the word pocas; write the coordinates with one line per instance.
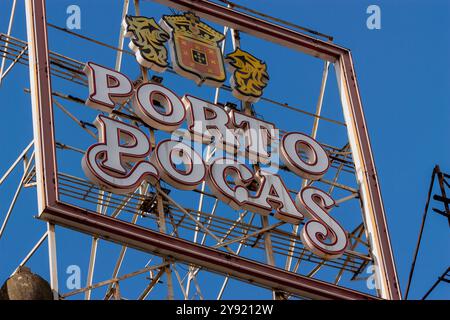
(123, 157)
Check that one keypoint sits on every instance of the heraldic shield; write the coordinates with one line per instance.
(195, 50)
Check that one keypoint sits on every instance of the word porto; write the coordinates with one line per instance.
(123, 157)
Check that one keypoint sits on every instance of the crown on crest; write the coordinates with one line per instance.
(189, 25)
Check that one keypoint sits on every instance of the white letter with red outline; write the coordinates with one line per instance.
(168, 154)
(322, 234)
(273, 194)
(292, 144)
(208, 122)
(106, 87)
(259, 134)
(219, 169)
(168, 119)
(106, 163)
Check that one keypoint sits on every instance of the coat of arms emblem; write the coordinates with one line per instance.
(195, 50)
(147, 42)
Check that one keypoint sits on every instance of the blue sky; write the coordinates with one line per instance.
(403, 77)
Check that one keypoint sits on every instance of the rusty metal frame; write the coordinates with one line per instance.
(57, 212)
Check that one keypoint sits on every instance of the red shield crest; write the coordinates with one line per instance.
(195, 50)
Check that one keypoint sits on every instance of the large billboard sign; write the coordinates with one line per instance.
(151, 136)
(118, 162)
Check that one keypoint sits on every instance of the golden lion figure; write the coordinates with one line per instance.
(250, 75)
(147, 42)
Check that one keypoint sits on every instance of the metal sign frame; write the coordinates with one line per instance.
(54, 211)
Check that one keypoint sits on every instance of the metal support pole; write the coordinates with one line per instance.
(190, 216)
(357, 233)
(366, 175)
(53, 262)
(315, 127)
(13, 63)
(180, 281)
(152, 284)
(75, 119)
(419, 240)
(16, 195)
(143, 190)
(238, 251)
(210, 149)
(269, 252)
(11, 20)
(162, 228)
(19, 158)
(319, 105)
(443, 277)
(32, 251)
(441, 182)
(101, 209)
(114, 280)
(90, 275)
(121, 36)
